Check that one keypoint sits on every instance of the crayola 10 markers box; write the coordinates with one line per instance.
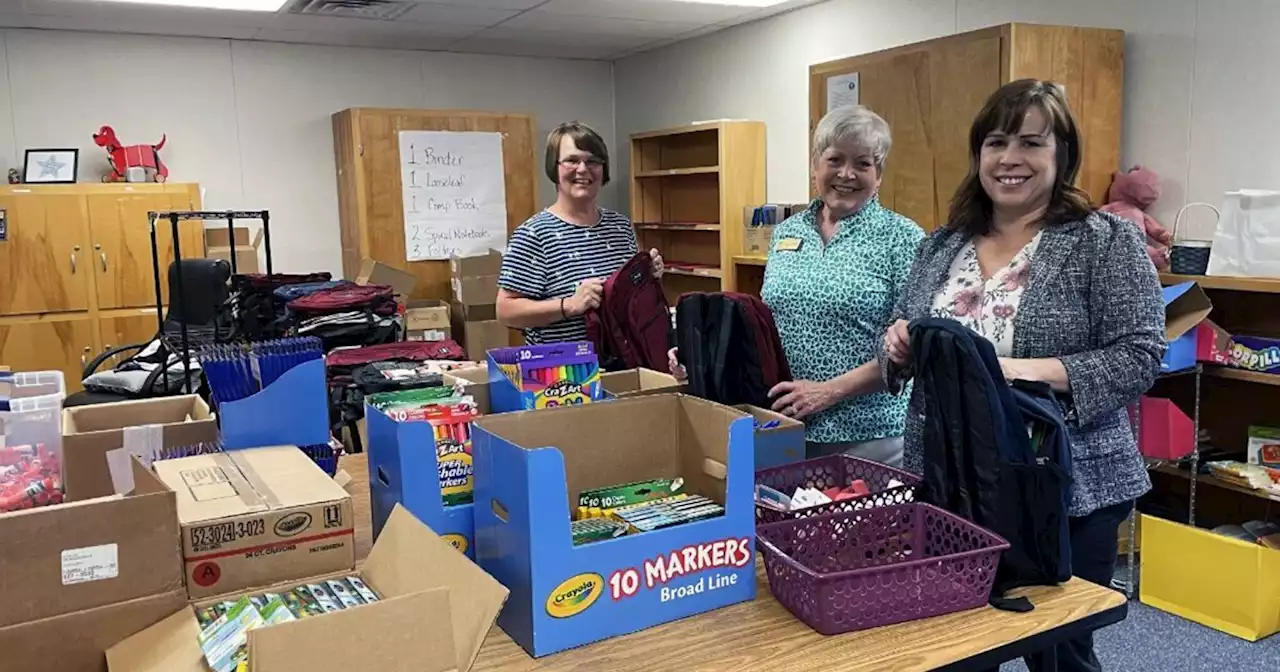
(422, 460)
(530, 465)
(543, 376)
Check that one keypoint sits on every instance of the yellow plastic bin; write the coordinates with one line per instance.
(1224, 583)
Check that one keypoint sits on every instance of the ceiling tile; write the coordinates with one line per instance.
(572, 26)
(375, 39)
(547, 49)
(429, 12)
(518, 5)
(560, 39)
(151, 26)
(340, 26)
(650, 10)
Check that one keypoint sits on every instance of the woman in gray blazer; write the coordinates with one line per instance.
(1066, 295)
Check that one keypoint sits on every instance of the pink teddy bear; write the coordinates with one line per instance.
(1130, 195)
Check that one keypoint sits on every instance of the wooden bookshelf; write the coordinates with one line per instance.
(1230, 401)
(689, 188)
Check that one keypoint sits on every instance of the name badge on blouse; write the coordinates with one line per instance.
(788, 245)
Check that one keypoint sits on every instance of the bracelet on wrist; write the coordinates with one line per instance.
(563, 315)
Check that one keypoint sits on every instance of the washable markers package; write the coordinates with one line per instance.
(410, 573)
(543, 376)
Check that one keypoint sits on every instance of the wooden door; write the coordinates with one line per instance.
(121, 252)
(369, 185)
(44, 259)
(62, 344)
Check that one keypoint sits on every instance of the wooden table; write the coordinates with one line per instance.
(763, 635)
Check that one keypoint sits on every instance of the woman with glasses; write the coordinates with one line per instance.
(556, 263)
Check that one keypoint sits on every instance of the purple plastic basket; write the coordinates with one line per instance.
(863, 569)
(835, 470)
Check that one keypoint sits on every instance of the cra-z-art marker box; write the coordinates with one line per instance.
(529, 466)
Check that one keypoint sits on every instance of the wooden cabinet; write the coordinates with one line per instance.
(60, 342)
(690, 187)
(75, 269)
(930, 92)
(370, 202)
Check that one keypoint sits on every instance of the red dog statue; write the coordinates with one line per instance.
(123, 158)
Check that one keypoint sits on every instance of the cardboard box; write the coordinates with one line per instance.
(403, 474)
(78, 641)
(1185, 306)
(1212, 579)
(427, 320)
(91, 432)
(484, 264)
(475, 381)
(479, 290)
(95, 549)
(478, 338)
(779, 439)
(531, 464)
(436, 609)
(259, 516)
(637, 382)
(476, 312)
(475, 283)
(219, 243)
(377, 273)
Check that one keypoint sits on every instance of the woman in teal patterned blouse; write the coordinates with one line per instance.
(833, 276)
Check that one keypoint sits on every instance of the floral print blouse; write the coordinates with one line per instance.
(990, 306)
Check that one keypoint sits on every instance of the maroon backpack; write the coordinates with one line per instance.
(631, 329)
(378, 299)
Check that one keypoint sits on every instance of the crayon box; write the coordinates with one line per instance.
(543, 376)
(531, 464)
(435, 485)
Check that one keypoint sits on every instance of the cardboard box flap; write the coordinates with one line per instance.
(121, 414)
(394, 567)
(377, 273)
(219, 485)
(366, 639)
(1185, 305)
(167, 646)
(218, 236)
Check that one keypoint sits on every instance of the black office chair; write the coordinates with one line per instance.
(155, 368)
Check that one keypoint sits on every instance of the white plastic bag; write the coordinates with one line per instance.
(1247, 241)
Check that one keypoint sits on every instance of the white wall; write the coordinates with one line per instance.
(1199, 103)
(250, 121)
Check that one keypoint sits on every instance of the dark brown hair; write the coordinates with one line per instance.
(971, 207)
(584, 137)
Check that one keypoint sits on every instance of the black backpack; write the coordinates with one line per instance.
(729, 347)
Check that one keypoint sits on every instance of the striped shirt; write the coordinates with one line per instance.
(548, 257)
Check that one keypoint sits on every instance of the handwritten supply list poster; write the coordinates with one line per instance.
(455, 200)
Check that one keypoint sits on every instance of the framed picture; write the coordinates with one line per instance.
(50, 166)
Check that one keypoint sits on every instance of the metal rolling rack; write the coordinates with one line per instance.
(1129, 584)
(173, 217)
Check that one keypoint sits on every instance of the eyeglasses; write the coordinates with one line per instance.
(576, 161)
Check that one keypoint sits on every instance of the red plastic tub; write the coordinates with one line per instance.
(835, 470)
(856, 570)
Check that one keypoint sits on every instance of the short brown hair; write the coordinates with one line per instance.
(584, 137)
(1005, 110)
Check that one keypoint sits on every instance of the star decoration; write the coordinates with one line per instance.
(51, 166)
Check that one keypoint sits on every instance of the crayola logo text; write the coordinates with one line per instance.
(457, 541)
(574, 595)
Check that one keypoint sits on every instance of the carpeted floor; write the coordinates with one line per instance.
(1150, 640)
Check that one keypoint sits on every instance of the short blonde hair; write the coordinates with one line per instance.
(856, 124)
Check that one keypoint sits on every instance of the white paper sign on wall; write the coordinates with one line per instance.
(455, 200)
(843, 90)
